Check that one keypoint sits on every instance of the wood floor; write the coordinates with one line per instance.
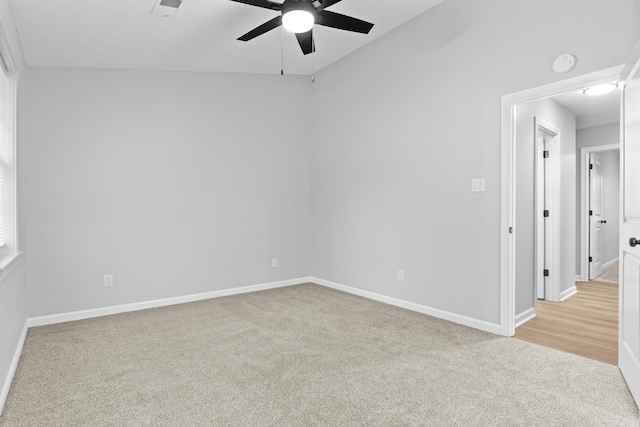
(586, 324)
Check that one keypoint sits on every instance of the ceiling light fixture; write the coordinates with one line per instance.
(600, 89)
(297, 17)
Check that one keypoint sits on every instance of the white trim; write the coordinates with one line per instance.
(9, 265)
(106, 311)
(525, 316)
(7, 57)
(577, 278)
(12, 369)
(494, 328)
(507, 180)
(11, 229)
(568, 293)
(507, 217)
(610, 263)
(584, 205)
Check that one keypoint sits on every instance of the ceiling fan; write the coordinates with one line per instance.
(299, 16)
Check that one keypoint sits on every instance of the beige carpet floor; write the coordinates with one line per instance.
(301, 356)
(610, 274)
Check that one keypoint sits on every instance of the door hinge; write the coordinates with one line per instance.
(590, 259)
(590, 165)
(545, 213)
(510, 230)
(590, 213)
(545, 153)
(545, 273)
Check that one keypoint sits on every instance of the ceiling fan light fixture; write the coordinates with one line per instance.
(300, 16)
(298, 21)
(600, 89)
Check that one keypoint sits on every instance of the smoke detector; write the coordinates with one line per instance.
(166, 8)
(564, 63)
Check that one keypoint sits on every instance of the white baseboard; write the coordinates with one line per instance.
(12, 369)
(578, 278)
(610, 263)
(568, 293)
(525, 316)
(441, 314)
(106, 311)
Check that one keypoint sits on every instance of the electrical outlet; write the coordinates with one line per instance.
(274, 262)
(400, 276)
(108, 280)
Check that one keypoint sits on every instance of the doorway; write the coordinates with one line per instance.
(566, 193)
(596, 221)
(599, 171)
(515, 230)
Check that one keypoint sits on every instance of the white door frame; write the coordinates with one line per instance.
(584, 206)
(547, 231)
(508, 220)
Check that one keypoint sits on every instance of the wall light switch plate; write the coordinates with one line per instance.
(477, 184)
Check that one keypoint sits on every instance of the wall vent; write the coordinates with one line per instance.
(166, 8)
(171, 3)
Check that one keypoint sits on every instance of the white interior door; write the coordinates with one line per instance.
(595, 215)
(540, 261)
(629, 341)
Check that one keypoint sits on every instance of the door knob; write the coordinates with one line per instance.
(633, 242)
(603, 221)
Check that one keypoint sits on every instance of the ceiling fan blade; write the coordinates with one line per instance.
(260, 30)
(342, 22)
(326, 3)
(261, 3)
(306, 42)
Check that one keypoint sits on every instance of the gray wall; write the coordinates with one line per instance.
(13, 312)
(590, 137)
(175, 183)
(408, 120)
(551, 113)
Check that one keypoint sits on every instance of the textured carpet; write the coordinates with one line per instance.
(609, 274)
(300, 356)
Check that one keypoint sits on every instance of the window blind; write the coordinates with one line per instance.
(7, 172)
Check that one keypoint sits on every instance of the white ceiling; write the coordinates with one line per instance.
(591, 111)
(200, 37)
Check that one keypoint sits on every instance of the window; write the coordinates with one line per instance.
(8, 231)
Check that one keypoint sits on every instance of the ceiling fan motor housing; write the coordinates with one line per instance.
(290, 5)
